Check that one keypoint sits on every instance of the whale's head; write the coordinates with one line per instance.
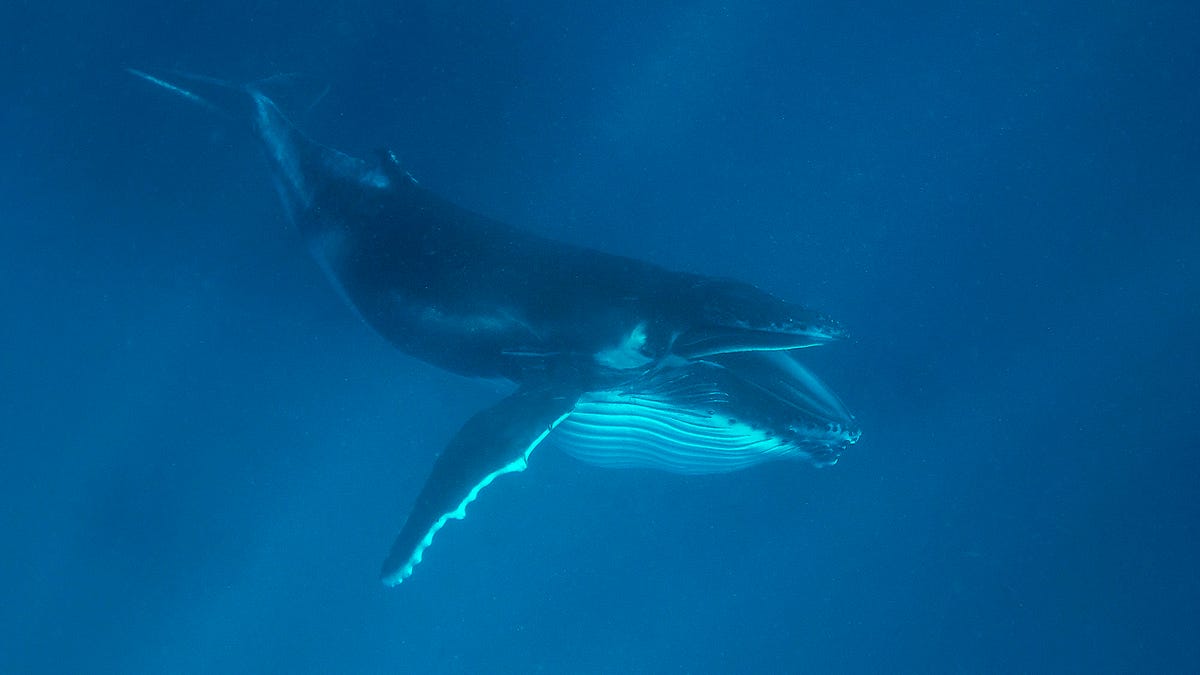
(713, 415)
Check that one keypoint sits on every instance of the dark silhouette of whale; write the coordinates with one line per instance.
(621, 362)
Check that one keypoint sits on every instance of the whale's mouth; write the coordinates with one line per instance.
(712, 416)
(735, 317)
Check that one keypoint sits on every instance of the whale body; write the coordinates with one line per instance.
(618, 361)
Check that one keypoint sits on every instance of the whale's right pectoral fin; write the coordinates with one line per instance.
(494, 442)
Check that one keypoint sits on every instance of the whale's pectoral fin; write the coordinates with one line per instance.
(495, 441)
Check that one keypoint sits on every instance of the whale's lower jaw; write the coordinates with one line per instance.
(714, 415)
(620, 430)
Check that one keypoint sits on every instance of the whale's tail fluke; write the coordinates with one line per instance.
(225, 99)
(259, 107)
(293, 93)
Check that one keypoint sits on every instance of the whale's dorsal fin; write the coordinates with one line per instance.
(496, 441)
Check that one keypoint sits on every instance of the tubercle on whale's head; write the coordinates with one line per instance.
(737, 305)
(802, 321)
(824, 325)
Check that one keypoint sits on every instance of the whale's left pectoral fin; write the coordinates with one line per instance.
(494, 442)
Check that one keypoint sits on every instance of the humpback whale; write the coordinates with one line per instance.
(618, 362)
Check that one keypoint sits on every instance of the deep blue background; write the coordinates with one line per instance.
(204, 455)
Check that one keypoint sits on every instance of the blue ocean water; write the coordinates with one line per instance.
(204, 455)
